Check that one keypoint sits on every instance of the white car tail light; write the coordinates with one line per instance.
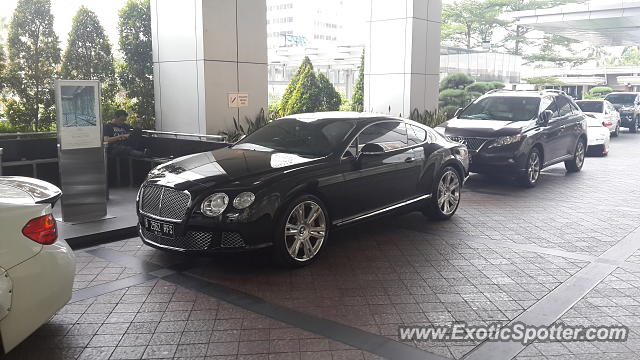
(42, 230)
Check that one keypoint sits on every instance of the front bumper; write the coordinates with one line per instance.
(238, 237)
(502, 162)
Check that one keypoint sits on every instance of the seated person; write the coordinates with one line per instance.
(122, 138)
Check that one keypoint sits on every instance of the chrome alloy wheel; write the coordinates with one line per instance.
(533, 170)
(580, 154)
(448, 192)
(305, 231)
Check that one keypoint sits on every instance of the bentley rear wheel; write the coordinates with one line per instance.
(445, 197)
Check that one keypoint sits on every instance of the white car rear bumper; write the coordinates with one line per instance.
(42, 285)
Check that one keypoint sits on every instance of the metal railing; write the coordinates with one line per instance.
(24, 135)
(178, 135)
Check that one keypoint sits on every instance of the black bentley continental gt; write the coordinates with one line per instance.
(292, 182)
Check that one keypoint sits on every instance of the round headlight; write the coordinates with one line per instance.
(215, 204)
(244, 200)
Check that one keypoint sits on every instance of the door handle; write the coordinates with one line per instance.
(409, 159)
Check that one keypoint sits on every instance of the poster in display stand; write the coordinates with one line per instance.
(80, 150)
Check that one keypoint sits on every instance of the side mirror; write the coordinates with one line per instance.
(455, 115)
(372, 149)
(544, 117)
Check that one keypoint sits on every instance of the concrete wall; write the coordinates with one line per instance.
(402, 56)
(202, 51)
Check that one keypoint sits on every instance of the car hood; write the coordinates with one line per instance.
(226, 167)
(23, 190)
(485, 128)
(619, 106)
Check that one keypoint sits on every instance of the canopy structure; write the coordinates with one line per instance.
(604, 22)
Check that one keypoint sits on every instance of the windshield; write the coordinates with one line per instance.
(315, 138)
(621, 98)
(590, 106)
(504, 108)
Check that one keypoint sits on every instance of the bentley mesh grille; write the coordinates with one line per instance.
(164, 202)
(471, 142)
(231, 240)
(192, 240)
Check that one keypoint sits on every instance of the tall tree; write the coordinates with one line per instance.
(517, 36)
(306, 97)
(136, 72)
(556, 50)
(293, 83)
(33, 57)
(357, 99)
(330, 99)
(3, 59)
(471, 23)
(88, 54)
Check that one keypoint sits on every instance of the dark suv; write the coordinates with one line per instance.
(520, 133)
(628, 105)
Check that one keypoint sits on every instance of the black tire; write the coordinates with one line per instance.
(616, 132)
(282, 242)
(443, 211)
(531, 176)
(576, 163)
(633, 128)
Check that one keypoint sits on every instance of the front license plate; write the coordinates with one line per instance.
(159, 228)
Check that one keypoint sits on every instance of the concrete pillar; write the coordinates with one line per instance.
(202, 51)
(402, 57)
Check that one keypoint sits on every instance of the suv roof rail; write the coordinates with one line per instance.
(555, 91)
(496, 90)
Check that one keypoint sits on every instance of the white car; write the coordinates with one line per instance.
(598, 137)
(603, 111)
(36, 268)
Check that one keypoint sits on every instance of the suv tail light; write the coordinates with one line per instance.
(607, 123)
(42, 230)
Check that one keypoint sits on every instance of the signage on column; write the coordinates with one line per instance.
(238, 100)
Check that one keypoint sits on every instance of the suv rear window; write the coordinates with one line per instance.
(621, 98)
(590, 106)
(503, 108)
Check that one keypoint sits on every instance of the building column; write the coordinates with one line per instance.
(402, 57)
(203, 50)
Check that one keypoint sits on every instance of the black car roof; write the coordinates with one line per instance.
(360, 118)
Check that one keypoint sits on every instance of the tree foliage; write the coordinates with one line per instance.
(456, 81)
(33, 55)
(470, 23)
(309, 92)
(542, 81)
(357, 99)
(457, 90)
(88, 55)
(136, 71)
(557, 50)
(598, 92)
(517, 36)
(330, 99)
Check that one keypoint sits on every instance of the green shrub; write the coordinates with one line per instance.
(429, 118)
(456, 81)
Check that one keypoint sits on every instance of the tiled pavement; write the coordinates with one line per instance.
(507, 253)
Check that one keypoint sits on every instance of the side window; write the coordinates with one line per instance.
(416, 135)
(390, 135)
(564, 106)
(547, 103)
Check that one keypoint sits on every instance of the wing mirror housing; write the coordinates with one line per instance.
(372, 149)
(544, 117)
